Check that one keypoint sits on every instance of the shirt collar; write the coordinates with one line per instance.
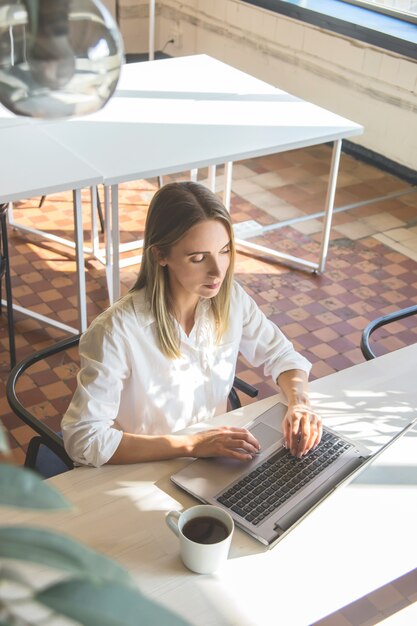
(146, 317)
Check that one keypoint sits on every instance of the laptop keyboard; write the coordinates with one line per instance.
(271, 484)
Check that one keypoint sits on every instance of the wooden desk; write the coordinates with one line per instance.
(359, 539)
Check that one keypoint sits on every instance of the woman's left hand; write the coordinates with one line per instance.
(302, 429)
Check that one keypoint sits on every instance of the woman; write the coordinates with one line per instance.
(163, 357)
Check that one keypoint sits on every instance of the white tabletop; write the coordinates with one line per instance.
(8, 119)
(197, 118)
(33, 163)
(360, 538)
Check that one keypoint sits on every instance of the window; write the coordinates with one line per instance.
(358, 19)
(402, 9)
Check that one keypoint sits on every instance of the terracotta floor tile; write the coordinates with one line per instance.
(269, 180)
(293, 330)
(274, 162)
(239, 171)
(400, 234)
(309, 227)
(19, 456)
(355, 356)
(22, 434)
(383, 221)
(321, 368)
(323, 350)
(388, 184)
(365, 172)
(411, 243)
(244, 186)
(298, 314)
(326, 334)
(355, 230)
(338, 362)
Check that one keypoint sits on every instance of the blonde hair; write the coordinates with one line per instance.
(174, 209)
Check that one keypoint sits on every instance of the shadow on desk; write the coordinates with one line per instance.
(371, 418)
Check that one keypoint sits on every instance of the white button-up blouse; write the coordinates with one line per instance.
(127, 384)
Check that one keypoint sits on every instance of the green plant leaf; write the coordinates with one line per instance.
(60, 552)
(22, 488)
(106, 604)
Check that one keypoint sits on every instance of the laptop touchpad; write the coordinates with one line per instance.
(265, 435)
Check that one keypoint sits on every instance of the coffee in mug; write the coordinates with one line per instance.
(205, 534)
(205, 529)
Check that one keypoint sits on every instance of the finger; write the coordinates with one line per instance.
(304, 435)
(245, 434)
(235, 453)
(243, 445)
(286, 433)
(240, 456)
(294, 435)
(316, 431)
(319, 432)
(240, 441)
(311, 443)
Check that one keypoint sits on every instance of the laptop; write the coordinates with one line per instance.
(269, 495)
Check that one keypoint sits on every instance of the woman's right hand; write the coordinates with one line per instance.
(237, 443)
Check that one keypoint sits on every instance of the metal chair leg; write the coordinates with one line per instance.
(100, 212)
(6, 274)
(32, 452)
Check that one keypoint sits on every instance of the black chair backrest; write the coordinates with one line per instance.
(367, 352)
(46, 436)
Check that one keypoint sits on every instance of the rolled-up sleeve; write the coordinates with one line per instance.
(263, 343)
(88, 425)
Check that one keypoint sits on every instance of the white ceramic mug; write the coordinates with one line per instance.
(203, 558)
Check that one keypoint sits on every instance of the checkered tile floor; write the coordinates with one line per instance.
(371, 270)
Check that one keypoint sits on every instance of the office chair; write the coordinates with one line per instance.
(46, 453)
(382, 321)
(5, 272)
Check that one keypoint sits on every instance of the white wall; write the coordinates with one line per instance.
(369, 85)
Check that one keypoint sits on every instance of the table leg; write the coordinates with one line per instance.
(78, 245)
(108, 243)
(228, 172)
(10, 217)
(331, 191)
(115, 239)
(95, 245)
(79, 259)
(328, 214)
(212, 178)
(151, 27)
(68, 243)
